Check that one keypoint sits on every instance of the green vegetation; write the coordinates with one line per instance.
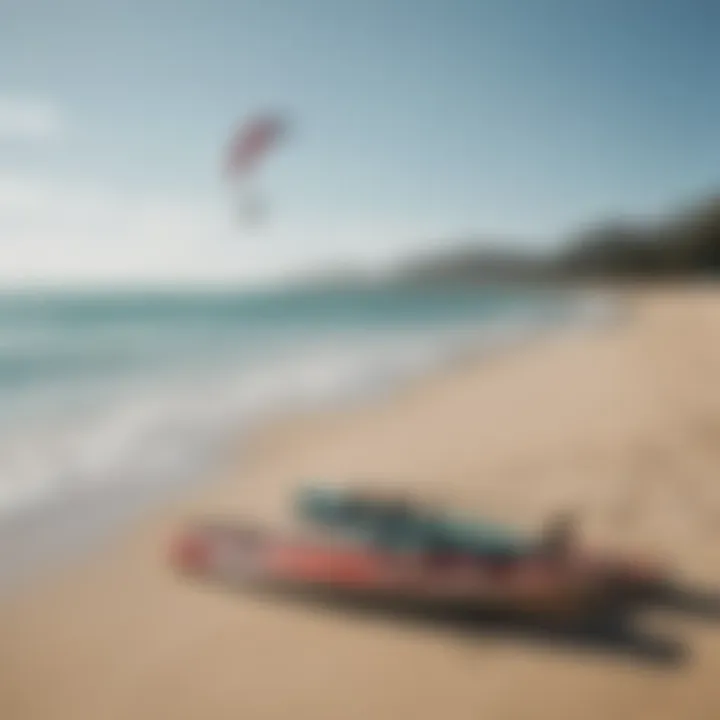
(684, 245)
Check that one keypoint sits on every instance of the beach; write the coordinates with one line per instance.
(620, 423)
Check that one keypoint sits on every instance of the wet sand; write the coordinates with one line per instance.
(621, 424)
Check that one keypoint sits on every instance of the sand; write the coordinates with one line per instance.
(621, 423)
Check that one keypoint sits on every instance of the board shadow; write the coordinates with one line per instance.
(613, 632)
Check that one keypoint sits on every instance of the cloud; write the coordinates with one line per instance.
(78, 231)
(70, 229)
(29, 119)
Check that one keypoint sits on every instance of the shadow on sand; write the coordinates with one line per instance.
(614, 632)
(697, 603)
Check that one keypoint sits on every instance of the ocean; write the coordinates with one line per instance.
(109, 401)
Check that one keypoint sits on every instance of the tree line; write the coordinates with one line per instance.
(685, 244)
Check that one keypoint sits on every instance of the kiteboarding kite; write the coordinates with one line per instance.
(248, 146)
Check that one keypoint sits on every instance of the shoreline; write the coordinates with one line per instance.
(52, 533)
(623, 423)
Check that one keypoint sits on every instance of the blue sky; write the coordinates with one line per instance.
(414, 121)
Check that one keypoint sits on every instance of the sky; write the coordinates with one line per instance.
(413, 122)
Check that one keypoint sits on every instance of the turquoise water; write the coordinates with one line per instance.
(132, 387)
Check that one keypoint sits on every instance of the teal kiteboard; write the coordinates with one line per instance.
(404, 527)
